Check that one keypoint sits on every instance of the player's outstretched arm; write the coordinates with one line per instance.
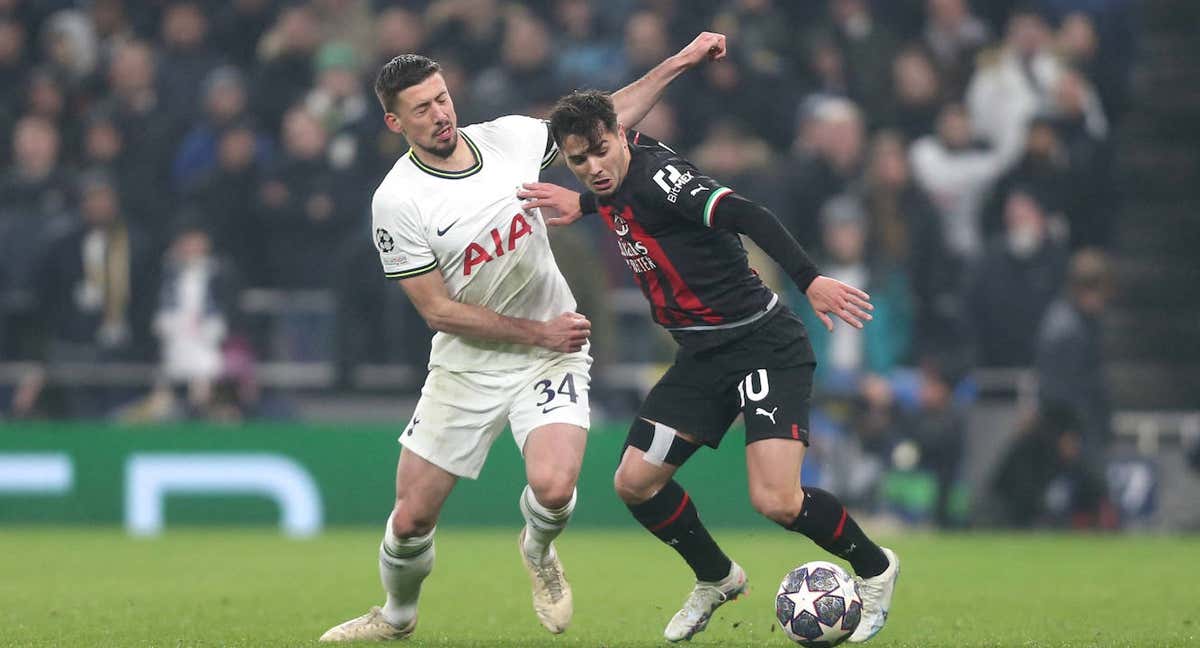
(566, 333)
(636, 99)
(560, 199)
(827, 296)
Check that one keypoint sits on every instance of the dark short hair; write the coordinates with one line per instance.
(586, 113)
(402, 72)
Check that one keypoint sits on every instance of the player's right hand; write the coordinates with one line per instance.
(566, 333)
(558, 199)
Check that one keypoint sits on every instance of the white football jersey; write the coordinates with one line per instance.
(470, 226)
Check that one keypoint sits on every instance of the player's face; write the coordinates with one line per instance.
(425, 116)
(601, 164)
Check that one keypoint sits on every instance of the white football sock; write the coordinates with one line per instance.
(542, 525)
(403, 564)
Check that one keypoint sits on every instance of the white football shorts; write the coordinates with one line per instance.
(460, 414)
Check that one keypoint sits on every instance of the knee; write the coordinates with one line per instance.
(779, 507)
(553, 489)
(633, 491)
(409, 523)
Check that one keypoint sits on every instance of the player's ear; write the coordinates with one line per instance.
(393, 123)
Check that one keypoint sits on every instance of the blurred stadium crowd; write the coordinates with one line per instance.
(186, 184)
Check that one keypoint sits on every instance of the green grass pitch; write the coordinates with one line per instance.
(229, 587)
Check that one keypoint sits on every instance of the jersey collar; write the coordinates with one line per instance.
(451, 175)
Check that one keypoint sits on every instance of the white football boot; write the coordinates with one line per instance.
(552, 599)
(369, 627)
(876, 594)
(705, 598)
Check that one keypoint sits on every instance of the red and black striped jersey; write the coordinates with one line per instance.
(697, 277)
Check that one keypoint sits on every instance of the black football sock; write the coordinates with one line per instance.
(825, 521)
(672, 518)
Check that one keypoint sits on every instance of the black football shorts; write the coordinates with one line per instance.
(766, 376)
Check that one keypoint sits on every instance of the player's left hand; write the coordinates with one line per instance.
(708, 46)
(828, 295)
(559, 199)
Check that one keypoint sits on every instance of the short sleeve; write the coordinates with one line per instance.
(402, 246)
(550, 151)
(533, 136)
(686, 191)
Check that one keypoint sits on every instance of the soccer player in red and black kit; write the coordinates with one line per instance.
(740, 351)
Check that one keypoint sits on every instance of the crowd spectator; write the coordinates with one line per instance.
(646, 42)
(1098, 38)
(737, 157)
(303, 206)
(33, 199)
(584, 54)
(148, 132)
(341, 102)
(347, 21)
(92, 278)
(825, 66)
(1043, 480)
(13, 68)
(1013, 80)
(846, 355)
(867, 48)
(957, 172)
(225, 100)
(734, 91)
(1045, 169)
(954, 35)
(95, 288)
(112, 23)
(475, 27)
(1069, 352)
(104, 148)
(195, 305)
(35, 186)
(237, 27)
(768, 42)
(1016, 279)
(830, 154)
(284, 73)
(45, 98)
(917, 94)
(187, 58)
(1083, 130)
(227, 197)
(524, 73)
(937, 428)
(398, 30)
(905, 232)
(69, 47)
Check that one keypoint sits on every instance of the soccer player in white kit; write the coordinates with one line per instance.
(509, 346)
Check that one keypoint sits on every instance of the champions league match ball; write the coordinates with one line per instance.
(818, 604)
